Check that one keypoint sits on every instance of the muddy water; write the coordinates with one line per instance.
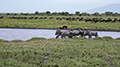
(25, 34)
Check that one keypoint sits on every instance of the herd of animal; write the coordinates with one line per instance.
(69, 19)
(90, 19)
(71, 33)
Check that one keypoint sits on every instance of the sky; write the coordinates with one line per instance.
(71, 6)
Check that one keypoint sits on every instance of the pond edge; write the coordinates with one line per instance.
(57, 28)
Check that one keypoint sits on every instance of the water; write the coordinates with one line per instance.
(26, 34)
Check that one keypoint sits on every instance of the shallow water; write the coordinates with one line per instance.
(25, 34)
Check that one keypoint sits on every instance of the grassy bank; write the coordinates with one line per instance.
(53, 23)
(78, 52)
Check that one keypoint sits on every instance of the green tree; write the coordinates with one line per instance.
(59, 13)
(85, 14)
(25, 13)
(8, 13)
(42, 13)
(48, 13)
(108, 13)
(66, 13)
(96, 14)
(115, 14)
(21, 13)
(77, 13)
(54, 13)
(63, 13)
(37, 13)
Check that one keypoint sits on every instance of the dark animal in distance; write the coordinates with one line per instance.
(1, 17)
(63, 27)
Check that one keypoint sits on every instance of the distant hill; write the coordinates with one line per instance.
(110, 7)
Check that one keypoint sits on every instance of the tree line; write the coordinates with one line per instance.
(48, 13)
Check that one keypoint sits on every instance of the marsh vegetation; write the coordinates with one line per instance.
(80, 52)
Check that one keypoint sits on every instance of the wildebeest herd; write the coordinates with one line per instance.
(90, 19)
(71, 33)
(69, 19)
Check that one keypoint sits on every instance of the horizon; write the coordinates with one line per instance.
(62, 11)
(71, 6)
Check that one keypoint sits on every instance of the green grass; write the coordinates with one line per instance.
(75, 52)
(53, 23)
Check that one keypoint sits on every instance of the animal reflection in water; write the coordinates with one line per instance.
(72, 33)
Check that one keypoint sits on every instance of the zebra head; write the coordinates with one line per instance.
(58, 32)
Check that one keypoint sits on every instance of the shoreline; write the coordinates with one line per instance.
(62, 29)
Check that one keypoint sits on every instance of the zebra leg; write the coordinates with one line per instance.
(90, 37)
(62, 36)
(57, 36)
(70, 36)
(96, 35)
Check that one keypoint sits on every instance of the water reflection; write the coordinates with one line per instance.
(25, 34)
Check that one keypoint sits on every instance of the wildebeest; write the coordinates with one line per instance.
(51, 18)
(118, 20)
(80, 19)
(1, 17)
(68, 18)
(63, 27)
(89, 33)
(95, 20)
(101, 19)
(87, 19)
(30, 17)
(36, 18)
(63, 34)
(57, 18)
(40, 18)
(44, 18)
(114, 20)
(108, 20)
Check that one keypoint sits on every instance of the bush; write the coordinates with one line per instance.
(118, 38)
(1, 40)
(79, 37)
(36, 38)
(98, 38)
(16, 41)
(107, 37)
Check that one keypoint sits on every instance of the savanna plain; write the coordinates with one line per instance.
(74, 52)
